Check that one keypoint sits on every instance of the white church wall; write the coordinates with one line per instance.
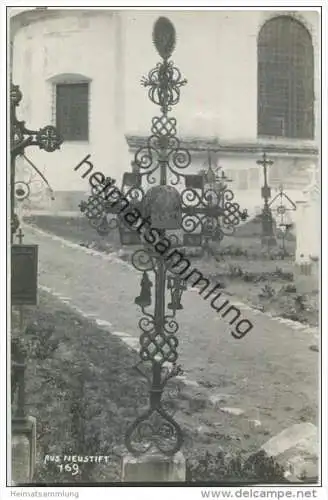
(215, 62)
(216, 51)
(66, 48)
(220, 100)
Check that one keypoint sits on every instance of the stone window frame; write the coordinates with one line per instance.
(67, 79)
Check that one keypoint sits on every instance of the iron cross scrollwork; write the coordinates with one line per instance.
(21, 137)
(46, 138)
(183, 212)
(23, 275)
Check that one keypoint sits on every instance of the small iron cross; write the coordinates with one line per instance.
(265, 163)
(20, 236)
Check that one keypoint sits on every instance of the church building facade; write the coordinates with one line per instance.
(253, 86)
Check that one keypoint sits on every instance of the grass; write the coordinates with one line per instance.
(84, 392)
(76, 229)
(266, 285)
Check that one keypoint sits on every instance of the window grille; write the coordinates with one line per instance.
(285, 80)
(72, 111)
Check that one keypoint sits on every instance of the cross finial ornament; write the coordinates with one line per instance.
(164, 37)
(265, 162)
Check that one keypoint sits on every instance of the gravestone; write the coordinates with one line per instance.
(24, 271)
(308, 234)
(23, 450)
(154, 467)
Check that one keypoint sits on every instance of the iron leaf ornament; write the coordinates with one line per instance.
(164, 37)
(164, 81)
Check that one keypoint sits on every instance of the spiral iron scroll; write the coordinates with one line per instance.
(155, 428)
(162, 148)
(158, 346)
(210, 212)
(164, 83)
(31, 186)
(46, 138)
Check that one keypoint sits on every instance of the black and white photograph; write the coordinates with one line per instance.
(164, 251)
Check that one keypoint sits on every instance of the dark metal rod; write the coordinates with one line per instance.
(38, 171)
(21, 389)
(265, 183)
(156, 387)
(160, 296)
(12, 194)
(21, 319)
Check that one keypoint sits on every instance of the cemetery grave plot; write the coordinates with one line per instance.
(82, 389)
(262, 280)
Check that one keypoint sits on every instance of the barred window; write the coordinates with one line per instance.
(285, 80)
(72, 111)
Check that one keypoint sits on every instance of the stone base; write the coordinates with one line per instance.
(154, 467)
(23, 450)
(296, 449)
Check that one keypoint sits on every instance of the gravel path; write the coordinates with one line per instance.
(271, 374)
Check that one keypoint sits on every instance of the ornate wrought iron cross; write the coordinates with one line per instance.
(216, 177)
(216, 180)
(282, 204)
(21, 137)
(181, 212)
